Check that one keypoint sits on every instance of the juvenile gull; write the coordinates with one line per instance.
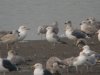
(9, 38)
(54, 64)
(94, 22)
(39, 70)
(88, 28)
(15, 58)
(80, 43)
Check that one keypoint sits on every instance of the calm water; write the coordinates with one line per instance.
(13, 13)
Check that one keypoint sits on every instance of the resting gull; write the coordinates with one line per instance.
(7, 66)
(42, 29)
(73, 34)
(39, 70)
(54, 64)
(52, 37)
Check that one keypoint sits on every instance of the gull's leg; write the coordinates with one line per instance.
(7, 46)
(4, 73)
(76, 67)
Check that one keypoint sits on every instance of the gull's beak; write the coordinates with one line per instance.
(32, 67)
(96, 33)
(65, 23)
(81, 49)
(80, 23)
(27, 28)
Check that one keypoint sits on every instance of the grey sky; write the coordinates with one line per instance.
(13, 13)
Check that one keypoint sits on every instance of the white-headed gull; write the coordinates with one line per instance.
(73, 34)
(52, 37)
(42, 29)
(39, 70)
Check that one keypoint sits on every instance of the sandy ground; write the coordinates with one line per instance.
(40, 51)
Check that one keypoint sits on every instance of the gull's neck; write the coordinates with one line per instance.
(49, 32)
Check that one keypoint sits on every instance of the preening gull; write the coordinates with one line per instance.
(86, 49)
(22, 32)
(39, 70)
(54, 64)
(80, 43)
(15, 58)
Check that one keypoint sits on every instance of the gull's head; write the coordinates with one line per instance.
(23, 28)
(91, 19)
(86, 47)
(11, 52)
(83, 22)
(55, 23)
(68, 23)
(37, 65)
(49, 28)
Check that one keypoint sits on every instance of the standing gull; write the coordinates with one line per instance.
(39, 70)
(9, 38)
(22, 32)
(73, 34)
(42, 29)
(52, 37)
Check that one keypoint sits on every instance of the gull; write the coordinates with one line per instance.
(94, 22)
(9, 38)
(7, 66)
(88, 28)
(86, 49)
(52, 37)
(22, 32)
(42, 29)
(39, 70)
(73, 34)
(14, 58)
(91, 60)
(80, 43)
(68, 62)
(98, 34)
(79, 60)
(54, 64)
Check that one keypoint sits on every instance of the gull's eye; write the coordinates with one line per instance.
(87, 19)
